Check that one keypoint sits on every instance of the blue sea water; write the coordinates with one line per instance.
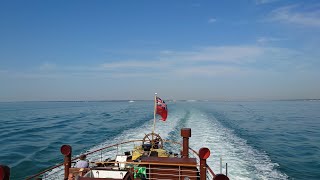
(258, 140)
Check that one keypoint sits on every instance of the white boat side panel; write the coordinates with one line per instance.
(106, 174)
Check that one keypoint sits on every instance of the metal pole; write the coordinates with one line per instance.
(154, 115)
(226, 169)
(101, 156)
(220, 165)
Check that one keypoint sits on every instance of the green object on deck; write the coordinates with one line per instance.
(140, 172)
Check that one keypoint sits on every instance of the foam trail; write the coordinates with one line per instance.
(244, 162)
(162, 128)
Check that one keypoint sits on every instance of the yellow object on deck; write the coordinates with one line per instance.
(138, 152)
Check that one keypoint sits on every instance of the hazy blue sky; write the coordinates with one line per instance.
(106, 50)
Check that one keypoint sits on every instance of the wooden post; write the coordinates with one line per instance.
(185, 133)
(66, 150)
(204, 153)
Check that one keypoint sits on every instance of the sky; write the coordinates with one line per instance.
(184, 49)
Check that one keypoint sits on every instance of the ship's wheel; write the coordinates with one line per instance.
(154, 139)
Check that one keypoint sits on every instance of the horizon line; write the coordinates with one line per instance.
(168, 100)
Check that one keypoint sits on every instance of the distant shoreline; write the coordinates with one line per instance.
(70, 101)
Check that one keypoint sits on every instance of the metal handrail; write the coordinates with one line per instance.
(176, 174)
(192, 151)
(49, 169)
(151, 163)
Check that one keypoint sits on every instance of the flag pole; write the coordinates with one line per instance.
(154, 113)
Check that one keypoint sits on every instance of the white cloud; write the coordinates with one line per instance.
(294, 14)
(212, 20)
(211, 61)
(47, 66)
(132, 64)
(166, 52)
(263, 40)
(208, 70)
(222, 54)
(265, 1)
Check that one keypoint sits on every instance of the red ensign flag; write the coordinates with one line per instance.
(162, 109)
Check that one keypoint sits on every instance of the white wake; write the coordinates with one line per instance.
(244, 162)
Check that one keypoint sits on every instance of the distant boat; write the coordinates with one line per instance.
(191, 100)
(131, 101)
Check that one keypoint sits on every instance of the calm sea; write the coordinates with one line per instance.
(258, 140)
